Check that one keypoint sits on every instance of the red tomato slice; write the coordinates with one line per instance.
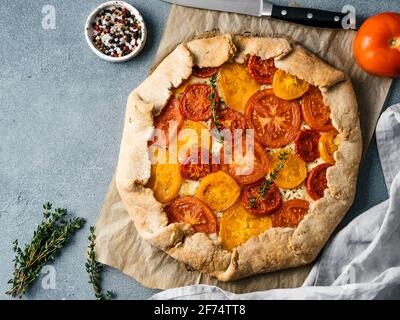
(275, 121)
(315, 112)
(291, 213)
(193, 211)
(197, 165)
(261, 70)
(247, 168)
(195, 104)
(204, 72)
(230, 119)
(306, 145)
(261, 206)
(170, 113)
(316, 182)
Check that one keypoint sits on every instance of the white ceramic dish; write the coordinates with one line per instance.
(89, 30)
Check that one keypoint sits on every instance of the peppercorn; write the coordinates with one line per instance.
(123, 30)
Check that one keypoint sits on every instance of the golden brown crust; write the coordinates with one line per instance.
(277, 248)
(265, 48)
(212, 52)
(155, 90)
(305, 65)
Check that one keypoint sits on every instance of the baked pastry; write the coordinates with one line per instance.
(271, 210)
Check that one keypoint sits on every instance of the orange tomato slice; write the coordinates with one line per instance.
(236, 85)
(218, 190)
(195, 102)
(194, 212)
(170, 113)
(327, 146)
(293, 173)
(204, 72)
(317, 181)
(190, 136)
(291, 213)
(315, 112)
(287, 86)
(248, 167)
(165, 181)
(275, 121)
(237, 226)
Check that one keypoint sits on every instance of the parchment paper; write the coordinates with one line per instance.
(119, 245)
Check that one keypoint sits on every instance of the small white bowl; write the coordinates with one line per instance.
(89, 30)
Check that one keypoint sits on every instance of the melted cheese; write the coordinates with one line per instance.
(312, 165)
(188, 188)
(219, 214)
(266, 86)
(216, 146)
(296, 193)
(213, 236)
(304, 126)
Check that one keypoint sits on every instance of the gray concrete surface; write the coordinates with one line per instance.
(61, 116)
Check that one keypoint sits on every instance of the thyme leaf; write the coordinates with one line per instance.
(274, 174)
(252, 202)
(49, 237)
(263, 189)
(214, 106)
(94, 268)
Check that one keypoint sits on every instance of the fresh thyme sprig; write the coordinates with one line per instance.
(252, 202)
(94, 268)
(49, 237)
(213, 106)
(263, 189)
(274, 174)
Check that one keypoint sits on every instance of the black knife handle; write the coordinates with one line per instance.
(308, 17)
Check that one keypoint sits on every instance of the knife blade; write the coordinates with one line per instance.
(259, 8)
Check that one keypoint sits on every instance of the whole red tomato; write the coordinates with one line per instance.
(377, 45)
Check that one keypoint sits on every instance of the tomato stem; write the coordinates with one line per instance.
(394, 43)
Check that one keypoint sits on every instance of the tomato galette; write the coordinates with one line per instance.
(240, 154)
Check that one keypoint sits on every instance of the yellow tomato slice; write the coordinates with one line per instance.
(327, 146)
(287, 86)
(190, 135)
(165, 181)
(218, 190)
(293, 173)
(236, 85)
(237, 226)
